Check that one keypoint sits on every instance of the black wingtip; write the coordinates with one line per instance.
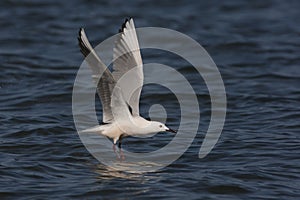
(129, 108)
(124, 24)
(80, 32)
(83, 48)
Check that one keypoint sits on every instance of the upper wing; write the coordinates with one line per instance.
(106, 83)
(127, 58)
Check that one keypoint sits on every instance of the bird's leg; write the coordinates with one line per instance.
(114, 148)
(122, 156)
(120, 147)
(120, 143)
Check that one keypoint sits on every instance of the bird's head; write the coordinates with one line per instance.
(160, 127)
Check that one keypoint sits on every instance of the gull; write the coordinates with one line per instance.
(120, 105)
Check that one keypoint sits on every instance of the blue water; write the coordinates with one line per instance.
(256, 46)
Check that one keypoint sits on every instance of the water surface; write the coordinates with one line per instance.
(256, 47)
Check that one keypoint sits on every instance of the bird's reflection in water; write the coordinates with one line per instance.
(106, 173)
(129, 167)
(140, 181)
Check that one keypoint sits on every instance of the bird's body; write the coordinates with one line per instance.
(118, 95)
(116, 130)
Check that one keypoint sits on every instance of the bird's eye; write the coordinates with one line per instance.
(160, 126)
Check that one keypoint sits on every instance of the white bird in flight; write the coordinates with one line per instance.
(120, 105)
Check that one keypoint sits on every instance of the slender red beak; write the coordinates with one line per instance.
(171, 130)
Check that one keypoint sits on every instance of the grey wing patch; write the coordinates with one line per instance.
(119, 106)
(106, 82)
(127, 57)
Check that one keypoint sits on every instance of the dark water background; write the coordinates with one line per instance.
(256, 46)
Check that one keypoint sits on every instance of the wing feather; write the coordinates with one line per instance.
(127, 57)
(106, 83)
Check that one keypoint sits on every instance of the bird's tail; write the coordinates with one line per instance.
(94, 129)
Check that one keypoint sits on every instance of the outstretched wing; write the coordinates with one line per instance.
(106, 83)
(127, 58)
